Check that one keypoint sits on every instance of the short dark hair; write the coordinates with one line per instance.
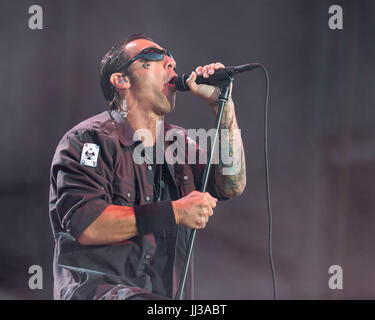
(110, 63)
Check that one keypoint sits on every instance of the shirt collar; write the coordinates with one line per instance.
(126, 131)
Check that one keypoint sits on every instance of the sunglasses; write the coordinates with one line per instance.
(148, 54)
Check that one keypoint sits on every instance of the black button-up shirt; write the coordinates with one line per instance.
(79, 193)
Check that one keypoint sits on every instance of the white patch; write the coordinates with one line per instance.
(89, 155)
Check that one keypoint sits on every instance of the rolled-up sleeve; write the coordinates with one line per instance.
(82, 192)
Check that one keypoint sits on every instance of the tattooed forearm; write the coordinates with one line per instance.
(230, 177)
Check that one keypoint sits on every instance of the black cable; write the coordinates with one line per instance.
(268, 183)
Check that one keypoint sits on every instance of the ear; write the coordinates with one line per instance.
(120, 81)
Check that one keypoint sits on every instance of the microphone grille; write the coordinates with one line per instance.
(180, 82)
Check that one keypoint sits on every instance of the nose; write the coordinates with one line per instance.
(169, 63)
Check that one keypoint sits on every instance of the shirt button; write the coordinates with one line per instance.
(129, 194)
(186, 177)
(149, 167)
(148, 198)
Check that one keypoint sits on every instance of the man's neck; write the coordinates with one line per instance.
(144, 119)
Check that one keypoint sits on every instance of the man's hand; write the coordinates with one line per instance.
(194, 209)
(207, 92)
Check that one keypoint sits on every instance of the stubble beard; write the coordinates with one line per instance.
(165, 103)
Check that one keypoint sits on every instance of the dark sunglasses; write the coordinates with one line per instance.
(148, 54)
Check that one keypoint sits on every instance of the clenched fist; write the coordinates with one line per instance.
(207, 92)
(194, 209)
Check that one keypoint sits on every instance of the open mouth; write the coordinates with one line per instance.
(171, 83)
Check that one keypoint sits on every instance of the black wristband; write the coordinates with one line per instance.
(154, 217)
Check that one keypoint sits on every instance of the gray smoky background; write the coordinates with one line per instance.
(321, 134)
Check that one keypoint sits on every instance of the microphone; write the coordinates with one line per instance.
(219, 76)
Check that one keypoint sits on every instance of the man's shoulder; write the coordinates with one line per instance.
(93, 123)
(96, 129)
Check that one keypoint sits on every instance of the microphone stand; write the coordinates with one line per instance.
(224, 86)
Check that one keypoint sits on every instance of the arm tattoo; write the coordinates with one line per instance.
(230, 177)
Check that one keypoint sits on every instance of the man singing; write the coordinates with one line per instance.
(121, 228)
